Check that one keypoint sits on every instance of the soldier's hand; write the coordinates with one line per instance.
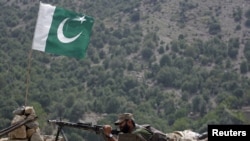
(107, 130)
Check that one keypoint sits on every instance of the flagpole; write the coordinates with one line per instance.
(28, 78)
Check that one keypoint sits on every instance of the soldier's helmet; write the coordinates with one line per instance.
(124, 116)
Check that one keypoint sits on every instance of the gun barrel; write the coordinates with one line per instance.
(85, 124)
(80, 125)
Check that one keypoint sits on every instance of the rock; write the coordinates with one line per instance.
(19, 133)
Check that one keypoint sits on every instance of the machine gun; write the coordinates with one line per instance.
(80, 125)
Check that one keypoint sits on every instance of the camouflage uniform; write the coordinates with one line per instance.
(142, 133)
(148, 133)
(139, 133)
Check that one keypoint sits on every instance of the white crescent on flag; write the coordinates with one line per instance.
(61, 36)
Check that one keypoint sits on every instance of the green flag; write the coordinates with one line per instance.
(62, 32)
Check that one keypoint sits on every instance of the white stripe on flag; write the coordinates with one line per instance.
(44, 20)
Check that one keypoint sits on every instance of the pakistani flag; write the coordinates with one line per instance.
(62, 32)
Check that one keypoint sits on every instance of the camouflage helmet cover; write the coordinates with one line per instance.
(124, 116)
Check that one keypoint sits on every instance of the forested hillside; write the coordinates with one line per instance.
(173, 64)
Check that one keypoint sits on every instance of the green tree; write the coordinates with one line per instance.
(175, 46)
(247, 55)
(169, 106)
(2, 81)
(247, 14)
(214, 28)
(146, 53)
(244, 67)
(161, 50)
(232, 52)
(191, 51)
(191, 84)
(165, 60)
(167, 76)
(237, 14)
(77, 110)
(247, 23)
(112, 106)
(199, 105)
(181, 124)
(135, 16)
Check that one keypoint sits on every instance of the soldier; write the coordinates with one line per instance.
(129, 130)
